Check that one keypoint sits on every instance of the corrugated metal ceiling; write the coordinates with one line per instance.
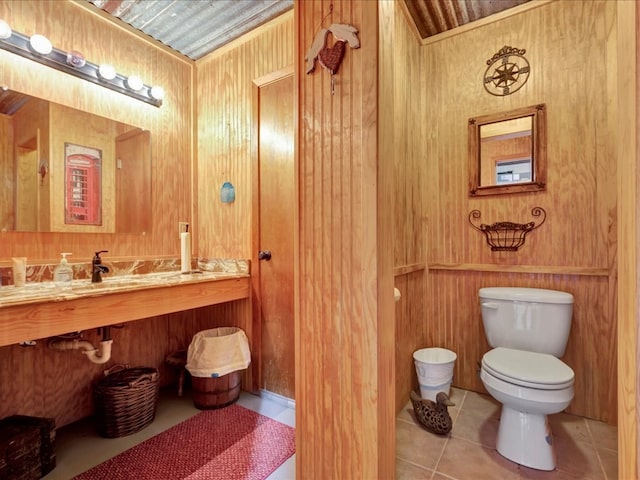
(198, 27)
(436, 16)
(194, 27)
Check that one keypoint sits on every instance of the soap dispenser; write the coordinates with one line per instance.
(63, 273)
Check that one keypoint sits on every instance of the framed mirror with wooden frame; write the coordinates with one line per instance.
(508, 152)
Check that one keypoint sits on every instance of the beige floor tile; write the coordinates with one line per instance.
(439, 476)
(464, 460)
(476, 428)
(418, 446)
(408, 471)
(609, 460)
(457, 396)
(482, 405)
(604, 435)
(569, 426)
(531, 474)
(406, 413)
(577, 459)
(585, 448)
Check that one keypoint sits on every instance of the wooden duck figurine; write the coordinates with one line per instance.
(433, 415)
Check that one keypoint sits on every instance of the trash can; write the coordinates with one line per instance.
(215, 359)
(434, 367)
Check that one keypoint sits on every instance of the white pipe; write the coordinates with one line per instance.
(93, 354)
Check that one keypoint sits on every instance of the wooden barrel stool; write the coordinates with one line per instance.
(179, 360)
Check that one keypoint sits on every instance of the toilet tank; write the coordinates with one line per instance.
(531, 319)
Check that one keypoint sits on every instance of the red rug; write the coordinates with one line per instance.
(225, 444)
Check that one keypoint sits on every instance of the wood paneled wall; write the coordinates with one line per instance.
(77, 25)
(628, 164)
(344, 298)
(7, 175)
(224, 129)
(43, 382)
(224, 142)
(575, 250)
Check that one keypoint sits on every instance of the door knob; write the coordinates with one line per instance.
(264, 255)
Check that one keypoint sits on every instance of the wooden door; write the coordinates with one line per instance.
(26, 190)
(274, 108)
(133, 182)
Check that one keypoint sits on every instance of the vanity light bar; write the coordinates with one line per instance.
(20, 44)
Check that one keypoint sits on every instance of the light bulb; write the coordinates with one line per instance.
(156, 92)
(5, 29)
(134, 83)
(106, 72)
(40, 44)
(76, 59)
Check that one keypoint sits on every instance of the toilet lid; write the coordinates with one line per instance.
(528, 369)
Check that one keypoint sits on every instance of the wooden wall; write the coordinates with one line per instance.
(37, 381)
(31, 196)
(628, 24)
(43, 382)
(224, 130)
(225, 127)
(571, 48)
(345, 419)
(74, 25)
(79, 128)
(7, 174)
(427, 100)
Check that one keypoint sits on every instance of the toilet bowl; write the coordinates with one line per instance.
(530, 386)
(528, 329)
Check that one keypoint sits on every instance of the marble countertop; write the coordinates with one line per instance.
(124, 276)
(52, 292)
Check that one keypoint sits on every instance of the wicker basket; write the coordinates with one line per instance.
(20, 452)
(126, 400)
(23, 456)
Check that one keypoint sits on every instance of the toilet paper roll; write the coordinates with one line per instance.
(185, 252)
(396, 294)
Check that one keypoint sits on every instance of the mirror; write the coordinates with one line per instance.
(507, 152)
(64, 170)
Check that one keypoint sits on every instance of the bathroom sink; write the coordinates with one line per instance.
(30, 290)
(120, 282)
(46, 291)
(108, 283)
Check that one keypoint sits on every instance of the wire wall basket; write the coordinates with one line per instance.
(506, 236)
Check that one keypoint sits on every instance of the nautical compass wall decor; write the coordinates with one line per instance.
(507, 71)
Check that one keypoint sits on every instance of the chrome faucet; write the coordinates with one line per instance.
(97, 269)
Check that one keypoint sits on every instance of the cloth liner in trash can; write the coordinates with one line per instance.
(215, 359)
(434, 367)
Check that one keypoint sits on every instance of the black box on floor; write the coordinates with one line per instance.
(27, 447)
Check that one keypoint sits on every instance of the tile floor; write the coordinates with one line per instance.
(586, 448)
(79, 447)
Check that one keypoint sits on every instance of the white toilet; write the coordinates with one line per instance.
(528, 329)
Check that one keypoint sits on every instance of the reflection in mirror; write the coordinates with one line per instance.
(507, 152)
(64, 170)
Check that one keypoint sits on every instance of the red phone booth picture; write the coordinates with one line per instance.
(83, 185)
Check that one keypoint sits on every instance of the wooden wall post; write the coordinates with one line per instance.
(345, 343)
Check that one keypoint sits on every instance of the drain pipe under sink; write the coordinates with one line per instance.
(95, 355)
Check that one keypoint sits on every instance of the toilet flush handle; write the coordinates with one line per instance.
(491, 305)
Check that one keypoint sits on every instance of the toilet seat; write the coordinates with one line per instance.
(528, 369)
